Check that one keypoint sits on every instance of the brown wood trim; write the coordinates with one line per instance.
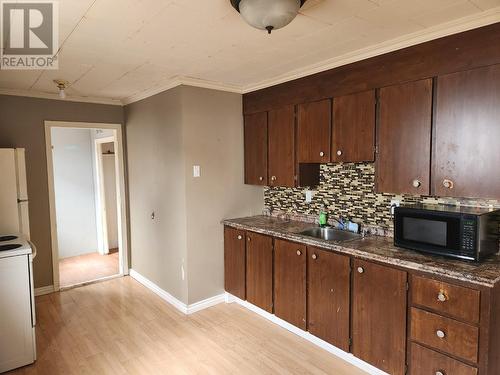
(450, 54)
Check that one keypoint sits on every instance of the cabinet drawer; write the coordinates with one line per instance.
(453, 300)
(447, 335)
(428, 362)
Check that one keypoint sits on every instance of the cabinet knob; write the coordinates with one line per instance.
(339, 152)
(299, 253)
(249, 239)
(273, 178)
(442, 297)
(240, 237)
(440, 334)
(261, 178)
(448, 184)
(416, 183)
(321, 153)
(440, 373)
(361, 270)
(314, 256)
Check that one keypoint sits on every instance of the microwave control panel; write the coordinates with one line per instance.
(469, 234)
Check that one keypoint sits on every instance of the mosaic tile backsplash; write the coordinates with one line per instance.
(347, 190)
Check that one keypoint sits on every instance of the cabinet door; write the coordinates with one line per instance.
(404, 138)
(260, 271)
(314, 129)
(467, 131)
(256, 149)
(234, 262)
(328, 285)
(282, 147)
(379, 316)
(354, 128)
(290, 282)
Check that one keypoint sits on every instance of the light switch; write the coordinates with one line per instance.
(196, 171)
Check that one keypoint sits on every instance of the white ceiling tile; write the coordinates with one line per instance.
(117, 48)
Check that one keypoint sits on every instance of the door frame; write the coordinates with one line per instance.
(122, 197)
(102, 222)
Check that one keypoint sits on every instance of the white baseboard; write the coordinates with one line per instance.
(44, 290)
(179, 305)
(348, 357)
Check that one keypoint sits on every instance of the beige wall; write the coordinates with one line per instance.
(213, 139)
(166, 135)
(22, 125)
(157, 184)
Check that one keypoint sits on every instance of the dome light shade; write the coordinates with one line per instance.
(268, 15)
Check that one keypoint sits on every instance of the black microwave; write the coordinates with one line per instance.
(455, 231)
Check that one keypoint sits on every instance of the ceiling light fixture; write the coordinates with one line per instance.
(268, 15)
(62, 85)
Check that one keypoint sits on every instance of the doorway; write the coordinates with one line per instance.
(87, 202)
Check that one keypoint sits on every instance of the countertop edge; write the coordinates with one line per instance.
(345, 249)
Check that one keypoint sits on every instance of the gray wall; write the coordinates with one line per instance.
(22, 125)
(166, 135)
(74, 191)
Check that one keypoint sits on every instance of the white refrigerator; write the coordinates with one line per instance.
(13, 192)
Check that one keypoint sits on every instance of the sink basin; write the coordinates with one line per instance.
(330, 234)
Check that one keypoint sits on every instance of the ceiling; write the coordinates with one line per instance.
(119, 51)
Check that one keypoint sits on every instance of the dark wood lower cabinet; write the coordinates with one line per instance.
(259, 276)
(234, 262)
(379, 316)
(328, 285)
(290, 282)
(424, 361)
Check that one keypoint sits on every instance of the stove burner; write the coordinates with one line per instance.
(7, 238)
(10, 247)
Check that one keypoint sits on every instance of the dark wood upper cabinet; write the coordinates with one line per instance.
(328, 288)
(290, 282)
(379, 316)
(281, 146)
(466, 148)
(353, 137)
(260, 270)
(404, 138)
(234, 262)
(314, 128)
(255, 126)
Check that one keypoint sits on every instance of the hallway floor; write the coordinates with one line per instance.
(120, 327)
(88, 267)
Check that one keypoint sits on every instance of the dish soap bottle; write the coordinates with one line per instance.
(323, 217)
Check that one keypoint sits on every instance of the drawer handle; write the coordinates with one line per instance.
(440, 373)
(440, 334)
(314, 256)
(361, 270)
(299, 253)
(442, 297)
(240, 237)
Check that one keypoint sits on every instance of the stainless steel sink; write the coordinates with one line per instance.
(330, 234)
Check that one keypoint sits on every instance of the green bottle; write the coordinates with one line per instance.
(323, 218)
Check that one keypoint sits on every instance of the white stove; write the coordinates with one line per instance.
(17, 302)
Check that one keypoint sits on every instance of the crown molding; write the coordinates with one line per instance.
(45, 95)
(179, 81)
(449, 28)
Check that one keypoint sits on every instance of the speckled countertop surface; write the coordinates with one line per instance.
(380, 249)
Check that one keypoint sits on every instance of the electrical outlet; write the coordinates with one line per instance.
(309, 195)
(394, 203)
(196, 171)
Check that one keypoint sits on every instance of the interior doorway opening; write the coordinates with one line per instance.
(86, 188)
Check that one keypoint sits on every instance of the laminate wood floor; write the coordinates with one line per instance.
(120, 327)
(88, 267)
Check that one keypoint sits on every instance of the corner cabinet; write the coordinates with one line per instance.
(255, 134)
(466, 157)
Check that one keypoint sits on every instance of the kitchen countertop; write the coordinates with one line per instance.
(376, 248)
